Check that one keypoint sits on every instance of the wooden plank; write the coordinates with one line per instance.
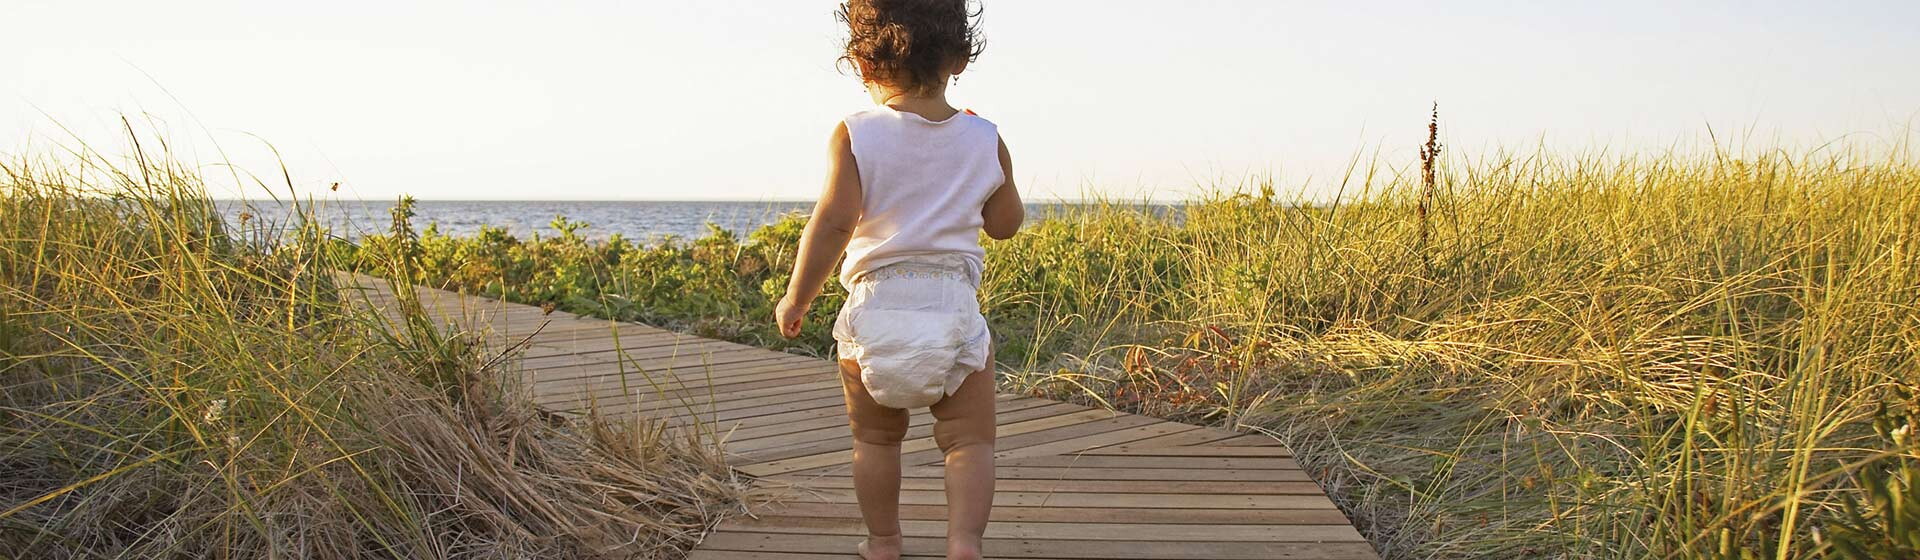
(802, 423)
(1146, 474)
(918, 425)
(766, 376)
(1191, 451)
(544, 345)
(1065, 531)
(1249, 439)
(758, 545)
(699, 354)
(717, 375)
(649, 348)
(835, 402)
(1201, 436)
(757, 555)
(1157, 462)
(681, 365)
(660, 387)
(1054, 514)
(604, 342)
(1012, 441)
(1082, 443)
(920, 445)
(786, 413)
(797, 444)
(581, 387)
(566, 368)
(477, 311)
(558, 332)
(646, 395)
(925, 480)
(1086, 499)
(715, 407)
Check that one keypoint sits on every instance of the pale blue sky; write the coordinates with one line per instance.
(734, 99)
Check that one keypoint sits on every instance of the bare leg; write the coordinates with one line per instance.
(877, 431)
(964, 428)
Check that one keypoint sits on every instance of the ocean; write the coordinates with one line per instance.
(638, 220)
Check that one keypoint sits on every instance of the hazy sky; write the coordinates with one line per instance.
(735, 99)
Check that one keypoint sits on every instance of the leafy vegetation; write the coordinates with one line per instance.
(1535, 357)
(718, 286)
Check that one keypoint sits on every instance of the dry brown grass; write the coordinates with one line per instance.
(169, 391)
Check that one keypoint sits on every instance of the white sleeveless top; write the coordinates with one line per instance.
(922, 186)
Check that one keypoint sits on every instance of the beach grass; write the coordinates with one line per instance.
(1673, 356)
(172, 387)
(1633, 358)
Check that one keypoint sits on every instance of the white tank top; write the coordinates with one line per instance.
(922, 186)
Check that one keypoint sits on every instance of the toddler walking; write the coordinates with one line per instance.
(911, 185)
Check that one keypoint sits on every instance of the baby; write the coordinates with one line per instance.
(912, 183)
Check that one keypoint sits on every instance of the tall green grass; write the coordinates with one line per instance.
(1595, 358)
(173, 388)
(1665, 357)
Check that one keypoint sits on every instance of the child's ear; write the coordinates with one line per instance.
(957, 67)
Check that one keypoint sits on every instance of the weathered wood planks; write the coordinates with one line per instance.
(1074, 482)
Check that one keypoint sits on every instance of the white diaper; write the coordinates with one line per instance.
(915, 328)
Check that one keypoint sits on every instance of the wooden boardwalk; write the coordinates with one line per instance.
(1074, 482)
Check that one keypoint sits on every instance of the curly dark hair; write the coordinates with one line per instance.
(907, 44)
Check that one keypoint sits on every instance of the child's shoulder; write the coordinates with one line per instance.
(970, 115)
(884, 113)
(868, 113)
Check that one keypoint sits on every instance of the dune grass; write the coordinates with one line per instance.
(172, 388)
(1644, 357)
(1632, 358)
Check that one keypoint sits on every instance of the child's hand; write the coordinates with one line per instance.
(788, 316)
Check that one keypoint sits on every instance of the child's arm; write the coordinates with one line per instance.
(1003, 212)
(825, 238)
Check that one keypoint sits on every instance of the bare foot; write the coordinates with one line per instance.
(963, 548)
(880, 548)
